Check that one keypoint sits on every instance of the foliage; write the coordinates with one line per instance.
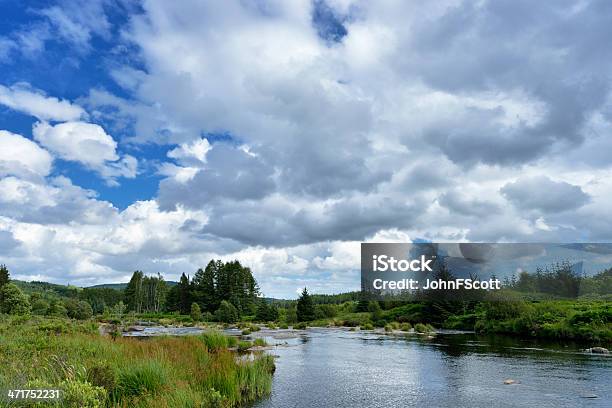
(305, 307)
(196, 313)
(13, 300)
(4, 275)
(214, 340)
(266, 312)
(145, 293)
(227, 313)
(94, 371)
(375, 311)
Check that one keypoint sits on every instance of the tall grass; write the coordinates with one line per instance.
(95, 371)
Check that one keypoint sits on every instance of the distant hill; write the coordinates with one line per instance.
(68, 290)
(121, 286)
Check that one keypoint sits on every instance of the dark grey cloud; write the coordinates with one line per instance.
(556, 52)
(8, 243)
(460, 204)
(543, 194)
(278, 224)
(229, 173)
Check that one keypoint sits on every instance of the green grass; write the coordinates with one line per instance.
(215, 340)
(95, 371)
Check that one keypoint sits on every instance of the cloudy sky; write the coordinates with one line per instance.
(157, 135)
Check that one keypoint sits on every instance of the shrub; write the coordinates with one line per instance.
(375, 310)
(13, 300)
(284, 326)
(246, 332)
(196, 313)
(405, 327)
(367, 326)
(424, 328)
(300, 326)
(78, 394)
(102, 375)
(420, 328)
(227, 313)
(388, 328)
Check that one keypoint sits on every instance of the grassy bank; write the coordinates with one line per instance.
(96, 371)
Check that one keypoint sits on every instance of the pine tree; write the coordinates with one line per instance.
(184, 294)
(305, 307)
(4, 275)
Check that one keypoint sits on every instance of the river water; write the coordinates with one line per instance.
(337, 368)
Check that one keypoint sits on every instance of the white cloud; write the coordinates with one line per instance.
(187, 153)
(21, 97)
(88, 144)
(22, 157)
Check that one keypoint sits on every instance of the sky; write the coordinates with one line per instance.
(157, 135)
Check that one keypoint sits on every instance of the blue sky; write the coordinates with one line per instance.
(157, 135)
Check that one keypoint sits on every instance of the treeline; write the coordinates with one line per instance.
(561, 280)
(224, 291)
(48, 299)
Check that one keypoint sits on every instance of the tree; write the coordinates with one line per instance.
(305, 307)
(205, 286)
(13, 300)
(184, 294)
(39, 306)
(84, 310)
(56, 308)
(266, 312)
(229, 281)
(133, 295)
(375, 311)
(4, 275)
(196, 313)
(227, 313)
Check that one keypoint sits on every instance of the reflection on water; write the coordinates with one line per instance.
(333, 368)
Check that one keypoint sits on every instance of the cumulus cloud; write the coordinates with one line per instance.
(543, 194)
(87, 144)
(21, 157)
(342, 121)
(23, 98)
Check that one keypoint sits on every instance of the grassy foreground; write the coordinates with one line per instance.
(96, 371)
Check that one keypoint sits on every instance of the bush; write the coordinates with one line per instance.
(367, 326)
(78, 394)
(388, 328)
(13, 300)
(102, 375)
(196, 313)
(424, 328)
(300, 326)
(227, 313)
(246, 332)
(405, 327)
(283, 326)
(375, 311)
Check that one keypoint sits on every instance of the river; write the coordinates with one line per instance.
(338, 368)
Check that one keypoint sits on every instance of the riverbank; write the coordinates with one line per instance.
(92, 370)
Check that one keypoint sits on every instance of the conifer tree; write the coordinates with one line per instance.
(305, 307)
